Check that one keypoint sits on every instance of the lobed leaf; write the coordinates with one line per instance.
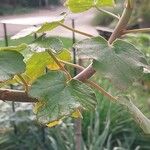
(11, 63)
(42, 44)
(121, 62)
(60, 97)
(77, 6)
(37, 63)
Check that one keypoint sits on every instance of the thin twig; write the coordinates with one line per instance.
(136, 30)
(71, 64)
(74, 30)
(24, 83)
(91, 83)
(59, 64)
(107, 12)
(15, 96)
(101, 90)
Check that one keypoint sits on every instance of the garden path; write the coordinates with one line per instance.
(82, 22)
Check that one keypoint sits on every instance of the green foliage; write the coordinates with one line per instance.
(51, 24)
(58, 94)
(60, 98)
(43, 44)
(11, 63)
(77, 6)
(18, 48)
(121, 62)
(43, 60)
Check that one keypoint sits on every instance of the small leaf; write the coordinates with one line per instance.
(121, 62)
(51, 24)
(37, 63)
(11, 63)
(25, 32)
(101, 3)
(18, 48)
(54, 123)
(77, 6)
(42, 44)
(61, 98)
(64, 55)
(76, 114)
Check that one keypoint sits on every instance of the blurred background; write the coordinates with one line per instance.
(110, 127)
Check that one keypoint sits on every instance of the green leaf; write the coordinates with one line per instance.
(25, 32)
(42, 44)
(77, 6)
(18, 48)
(101, 3)
(37, 63)
(11, 63)
(61, 98)
(51, 24)
(121, 62)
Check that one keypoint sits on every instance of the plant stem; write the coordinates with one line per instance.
(122, 22)
(136, 30)
(107, 12)
(85, 74)
(89, 71)
(59, 64)
(24, 83)
(101, 90)
(15, 96)
(74, 30)
(91, 83)
(71, 64)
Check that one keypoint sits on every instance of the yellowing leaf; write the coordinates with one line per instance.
(36, 65)
(37, 106)
(76, 114)
(54, 123)
(64, 55)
